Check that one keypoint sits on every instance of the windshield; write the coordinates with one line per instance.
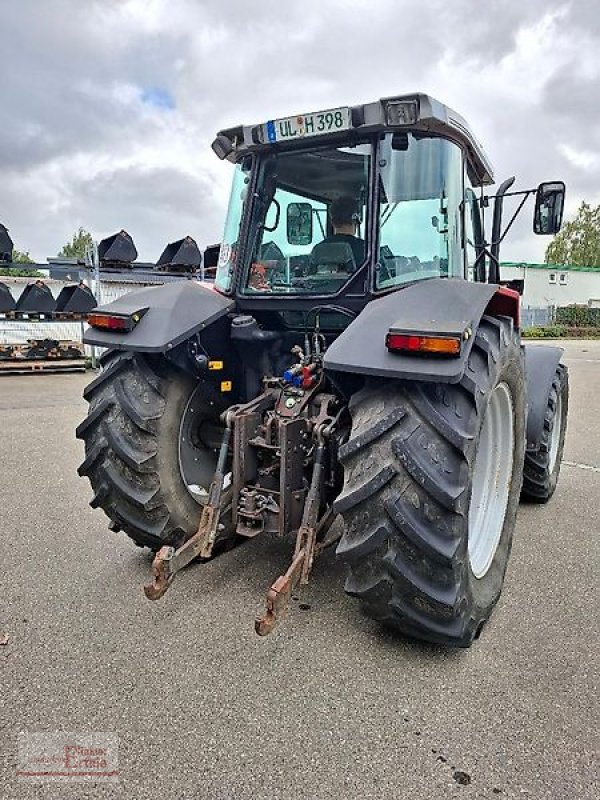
(308, 221)
(420, 193)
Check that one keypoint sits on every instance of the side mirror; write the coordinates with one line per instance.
(299, 223)
(549, 205)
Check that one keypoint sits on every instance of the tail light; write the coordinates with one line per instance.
(123, 323)
(431, 345)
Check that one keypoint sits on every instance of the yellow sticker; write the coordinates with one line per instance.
(215, 365)
(225, 386)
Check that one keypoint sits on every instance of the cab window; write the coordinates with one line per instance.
(307, 233)
(420, 197)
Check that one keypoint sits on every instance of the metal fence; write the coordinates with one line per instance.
(532, 317)
(110, 288)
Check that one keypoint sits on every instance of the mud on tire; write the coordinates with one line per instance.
(131, 437)
(408, 467)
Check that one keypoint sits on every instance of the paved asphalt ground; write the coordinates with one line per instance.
(329, 706)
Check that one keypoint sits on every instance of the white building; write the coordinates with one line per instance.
(555, 285)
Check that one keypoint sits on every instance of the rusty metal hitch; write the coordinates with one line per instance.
(168, 561)
(278, 596)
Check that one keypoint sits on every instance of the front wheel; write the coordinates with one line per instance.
(432, 481)
(150, 437)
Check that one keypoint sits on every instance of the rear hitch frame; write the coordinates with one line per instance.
(312, 535)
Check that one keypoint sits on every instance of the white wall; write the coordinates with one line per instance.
(575, 286)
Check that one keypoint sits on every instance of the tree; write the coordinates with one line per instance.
(22, 257)
(78, 245)
(578, 242)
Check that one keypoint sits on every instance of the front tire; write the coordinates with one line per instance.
(430, 494)
(132, 448)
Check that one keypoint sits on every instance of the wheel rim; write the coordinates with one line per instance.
(492, 474)
(556, 432)
(197, 459)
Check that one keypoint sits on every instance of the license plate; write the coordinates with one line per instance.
(289, 128)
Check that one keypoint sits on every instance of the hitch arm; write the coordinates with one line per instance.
(278, 596)
(168, 561)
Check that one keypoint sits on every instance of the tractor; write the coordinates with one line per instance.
(354, 376)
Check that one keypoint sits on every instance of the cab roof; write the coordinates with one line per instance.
(423, 113)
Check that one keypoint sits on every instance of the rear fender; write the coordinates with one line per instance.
(435, 306)
(541, 362)
(175, 312)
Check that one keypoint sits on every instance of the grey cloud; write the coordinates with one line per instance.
(65, 97)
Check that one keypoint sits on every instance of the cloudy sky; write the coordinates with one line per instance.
(107, 109)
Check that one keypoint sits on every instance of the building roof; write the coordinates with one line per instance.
(552, 267)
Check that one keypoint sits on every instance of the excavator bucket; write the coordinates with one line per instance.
(182, 255)
(7, 301)
(77, 299)
(6, 244)
(36, 299)
(117, 249)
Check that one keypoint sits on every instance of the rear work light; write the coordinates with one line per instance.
(427, 345)
(401, 112)
(115, 322)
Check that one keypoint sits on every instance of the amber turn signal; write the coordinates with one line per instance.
(440, 345)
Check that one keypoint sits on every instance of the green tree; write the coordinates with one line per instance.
(22, 257)
(578, 242)
(76, 248)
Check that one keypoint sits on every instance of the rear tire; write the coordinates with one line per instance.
(132, 457)
(415, 561)
(542, 466)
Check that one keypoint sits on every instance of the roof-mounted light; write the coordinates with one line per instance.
(401, 112)
(222, 146)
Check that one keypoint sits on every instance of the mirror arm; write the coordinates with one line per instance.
(515, 215)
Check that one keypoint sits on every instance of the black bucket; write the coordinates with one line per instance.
(211, 260)
(117, 249)
(77, 299)
(182, 255)
(6, 245)
(7, 301)
(36, 299)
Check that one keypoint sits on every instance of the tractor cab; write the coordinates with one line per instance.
(348, 204)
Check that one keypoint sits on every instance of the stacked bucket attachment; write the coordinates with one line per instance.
(76, 299)
(7, 301)
(180, 256)
(117, 252)
(6, 244)
(37, 300)
(272, 442)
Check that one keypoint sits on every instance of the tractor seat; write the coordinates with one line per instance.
(332, 257)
